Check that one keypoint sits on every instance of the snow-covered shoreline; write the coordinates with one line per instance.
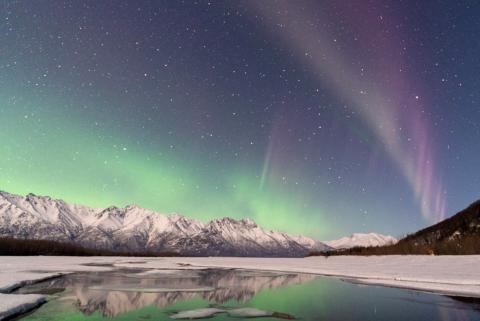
(13, 305)
(449, 275)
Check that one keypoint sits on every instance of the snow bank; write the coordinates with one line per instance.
(235, 313)
(452, 275)
(11, 305)
(18, 271)
(196, 314)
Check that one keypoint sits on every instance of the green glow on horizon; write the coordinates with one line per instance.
(64, 157)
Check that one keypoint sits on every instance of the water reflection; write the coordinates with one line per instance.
(227, 295)
(115, 293)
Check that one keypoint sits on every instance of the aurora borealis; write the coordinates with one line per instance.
(314, 117)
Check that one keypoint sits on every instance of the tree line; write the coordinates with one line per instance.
(13, 247)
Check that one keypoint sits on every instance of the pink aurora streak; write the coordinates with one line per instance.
(389, 108)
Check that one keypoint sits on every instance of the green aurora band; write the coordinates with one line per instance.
(65, 156)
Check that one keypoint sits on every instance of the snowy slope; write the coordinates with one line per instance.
(136, 229)
(13, 305)
(361, 240)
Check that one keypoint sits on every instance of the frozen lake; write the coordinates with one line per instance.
(234, 294)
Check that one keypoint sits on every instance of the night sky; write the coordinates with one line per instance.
(315, 117)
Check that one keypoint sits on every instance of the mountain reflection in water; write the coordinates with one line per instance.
(98, 291)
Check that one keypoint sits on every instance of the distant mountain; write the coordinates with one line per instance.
(361, 240)
(457, 235)
(134, 229)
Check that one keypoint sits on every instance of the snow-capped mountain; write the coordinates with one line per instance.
(361, 240)
(136, 229)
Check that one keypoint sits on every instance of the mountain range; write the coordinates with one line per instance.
(361, 240)
(132, 229)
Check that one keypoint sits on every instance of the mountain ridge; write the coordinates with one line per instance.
(361, 240)
(133, 228)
